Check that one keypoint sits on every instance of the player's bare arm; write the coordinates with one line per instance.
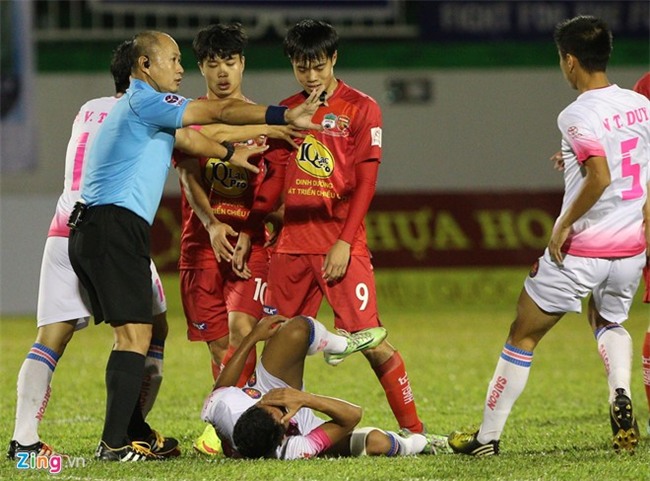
(596, 181)
(193, 143)
(262, 331)
(338, 257)
(189, 172)
(196, 144)
(336, 261)
(558, 161)
(240, 256)
(287, 133)
(301, 115)
(242, 133)
(344, 416)
(243, 248)
(269, 198)
(276, 220)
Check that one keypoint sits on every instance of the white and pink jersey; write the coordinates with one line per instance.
(85, 127)
(614, 123)
(224, 406)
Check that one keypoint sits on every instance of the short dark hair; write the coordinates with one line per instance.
(587, 38)
(309, 40)
(256, 434)
(121, 66)
(219, 40)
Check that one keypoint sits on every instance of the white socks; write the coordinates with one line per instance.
(33, 388)
(414, 444)
(33, 392)
(399, 445)
(320, 339)
(615, 349)
(509, 380)
(511, 375)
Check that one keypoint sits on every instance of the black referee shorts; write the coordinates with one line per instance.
(110, 253)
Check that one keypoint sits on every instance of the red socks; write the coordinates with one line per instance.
(393, 378)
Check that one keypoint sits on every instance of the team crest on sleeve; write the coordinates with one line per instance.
(252, 392)
(573, 132)
(172, 99)
(375, 136)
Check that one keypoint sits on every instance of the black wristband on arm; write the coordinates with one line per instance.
(275, 115)
(231, 150)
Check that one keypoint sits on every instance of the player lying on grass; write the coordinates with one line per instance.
(272, 417)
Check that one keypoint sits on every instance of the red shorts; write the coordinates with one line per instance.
(296, 287)
(208, 296)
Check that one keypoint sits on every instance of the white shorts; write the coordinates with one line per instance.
(60, 294)
(612, 282)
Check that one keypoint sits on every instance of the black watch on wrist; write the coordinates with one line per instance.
(230, 148)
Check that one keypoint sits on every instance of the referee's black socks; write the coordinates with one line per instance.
(124, 372)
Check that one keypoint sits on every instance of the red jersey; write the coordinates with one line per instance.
(643, 85)
(231, 191)
(320, 175)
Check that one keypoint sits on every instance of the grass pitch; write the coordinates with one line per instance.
(449, 325)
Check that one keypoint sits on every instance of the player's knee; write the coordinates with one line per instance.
(380, 354)
(239, 326)
(377, 443)
(596, 320)
(369, 442)
(297, 329)
(218, 349)
(133, 337)
(56, 336)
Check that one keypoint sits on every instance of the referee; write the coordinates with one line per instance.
(123, 183)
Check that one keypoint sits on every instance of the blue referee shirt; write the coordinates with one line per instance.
(128, 162)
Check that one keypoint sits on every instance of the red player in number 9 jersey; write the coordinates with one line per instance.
(321, 176)
(328, 185)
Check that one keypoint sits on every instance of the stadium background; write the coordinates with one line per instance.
(469, 91)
